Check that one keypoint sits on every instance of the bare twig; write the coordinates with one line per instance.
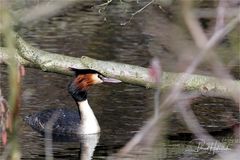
(150, 130)
(205, 50)
(192, 24)
(48, 136)
(193, 125)
(206, 45)
(211, 12)
(221, 9)
(195, 128)
(14, 78)
(140, 135)
(155, 74)
(138, 11)
(105, 4)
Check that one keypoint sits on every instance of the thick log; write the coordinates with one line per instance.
(59, 63)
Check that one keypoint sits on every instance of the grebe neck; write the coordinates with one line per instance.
(88, 123)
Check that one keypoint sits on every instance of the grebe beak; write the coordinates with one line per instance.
(110, 80)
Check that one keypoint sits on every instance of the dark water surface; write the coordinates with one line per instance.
(121, 109)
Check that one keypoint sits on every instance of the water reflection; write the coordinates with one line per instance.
(85, 151)
(88, 144)
(81, 147)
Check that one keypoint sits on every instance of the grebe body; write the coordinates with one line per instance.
(66, 121)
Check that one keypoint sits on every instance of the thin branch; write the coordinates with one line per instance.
(138, 11)
(193, 25)
(48, 136)
(193, 125)
(221, 10)
(175, 93)
(206, 45)
(210, 44)
(105, 4)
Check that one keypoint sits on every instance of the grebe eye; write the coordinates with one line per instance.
(100, 76)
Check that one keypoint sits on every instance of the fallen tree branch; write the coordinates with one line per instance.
(51, 62)
(4, 58)
(46, 61)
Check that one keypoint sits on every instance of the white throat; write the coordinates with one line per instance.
(89, 123)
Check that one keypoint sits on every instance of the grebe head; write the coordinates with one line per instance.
(84, 78)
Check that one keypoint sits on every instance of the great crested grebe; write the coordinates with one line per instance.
(68, 122)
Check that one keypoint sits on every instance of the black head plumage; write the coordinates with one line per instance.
(79, 94)
(83, 71)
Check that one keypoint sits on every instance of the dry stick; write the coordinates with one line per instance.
(150, 127)
(217, 66)
(210, 44)
(155, 68)
(177, 87)
(105, 4)
(194, 125)
(14, 79)
(193, 26)
(220, 70)
(202, 42)
(221, 10)
(138, 11)
(210, 13)
(140, 135)
(48, 136)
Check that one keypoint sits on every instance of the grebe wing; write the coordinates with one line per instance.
(61, 121)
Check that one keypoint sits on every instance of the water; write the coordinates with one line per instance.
(121, 109)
